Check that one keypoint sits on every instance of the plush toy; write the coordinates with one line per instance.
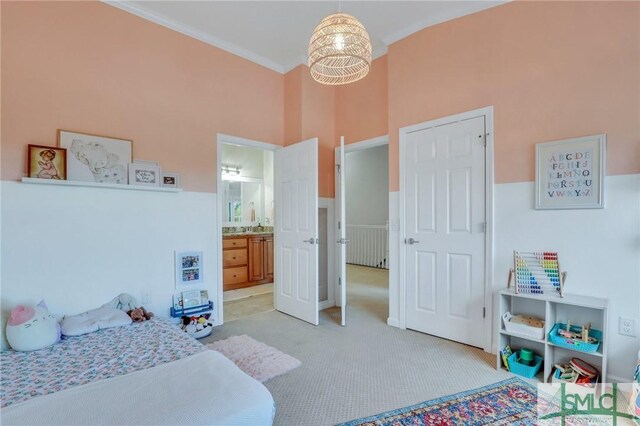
(197, 325)
(32, 328)
(124, 302)
(140, 314)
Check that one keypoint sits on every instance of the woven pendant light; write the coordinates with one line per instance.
(339, 50)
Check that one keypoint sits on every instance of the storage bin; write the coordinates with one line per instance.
(523, 329)
(523, 369)
(563, 342)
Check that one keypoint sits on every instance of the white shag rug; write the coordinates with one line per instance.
(260, 361)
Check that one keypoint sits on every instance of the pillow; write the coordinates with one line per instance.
(32, 328)
(4, 317)
(94, 320)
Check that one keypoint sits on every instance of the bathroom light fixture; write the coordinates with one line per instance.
(339, 50)
(228, 170)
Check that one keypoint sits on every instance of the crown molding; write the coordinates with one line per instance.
(197, 34)
(435, 20)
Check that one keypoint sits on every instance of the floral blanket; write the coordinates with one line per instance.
(95, 356)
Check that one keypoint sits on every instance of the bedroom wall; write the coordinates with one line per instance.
(362, 108)
(310, 113)
(91, 67)
(552, 70)
(77, 248)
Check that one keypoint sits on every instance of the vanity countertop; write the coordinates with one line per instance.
(245, 234)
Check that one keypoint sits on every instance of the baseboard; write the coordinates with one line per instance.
(393, 322)
(618, 379)
(326, 305)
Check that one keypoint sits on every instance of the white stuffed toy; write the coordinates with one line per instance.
(32, 328)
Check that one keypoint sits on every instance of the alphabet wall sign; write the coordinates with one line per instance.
(570, 173)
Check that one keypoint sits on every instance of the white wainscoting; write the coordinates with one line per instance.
(78, 247)
(599, 248)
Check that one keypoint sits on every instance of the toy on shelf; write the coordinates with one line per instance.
(536, 272)
(576, 371)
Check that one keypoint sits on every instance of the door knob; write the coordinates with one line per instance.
(410, 241)
(342, 241)
(310, 241)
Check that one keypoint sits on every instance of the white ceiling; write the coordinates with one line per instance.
(276, 34)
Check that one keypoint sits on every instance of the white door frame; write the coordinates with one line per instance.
(234, 140)
(352, 147)
(487, 112)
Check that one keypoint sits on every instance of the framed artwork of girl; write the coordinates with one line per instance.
(46, 162)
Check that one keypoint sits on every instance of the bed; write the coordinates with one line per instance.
(144, 373)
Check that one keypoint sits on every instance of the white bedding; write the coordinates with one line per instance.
(202, 389)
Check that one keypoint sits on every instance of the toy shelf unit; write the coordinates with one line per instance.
(553, 308)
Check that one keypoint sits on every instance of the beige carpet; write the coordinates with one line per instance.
(260, 361)
(364, 368)
(252, 305)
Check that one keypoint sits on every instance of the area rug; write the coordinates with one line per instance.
(260, 361)
(510, 402)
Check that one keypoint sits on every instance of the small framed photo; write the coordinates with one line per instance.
(570, 173)
(188, 268)
(47, 162)
(144, 174)
(95, 158)
(170, 180)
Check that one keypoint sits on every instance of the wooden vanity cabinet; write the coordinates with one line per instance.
(247, 261)
(261, 258)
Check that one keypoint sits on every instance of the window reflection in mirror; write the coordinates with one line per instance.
(243, 202)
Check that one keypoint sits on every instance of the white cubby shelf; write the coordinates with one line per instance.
(98, 185)
(553, 309)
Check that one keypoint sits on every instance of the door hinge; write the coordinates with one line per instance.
(483, 226)
(484, 312)
(339, 225)
(339, 280)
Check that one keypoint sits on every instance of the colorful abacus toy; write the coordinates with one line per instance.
(536, 272)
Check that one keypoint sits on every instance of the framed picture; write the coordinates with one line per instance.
(47, 162)
(144, 174)
(95, 158)
(188, 268)
(171, 180)
(570, 173)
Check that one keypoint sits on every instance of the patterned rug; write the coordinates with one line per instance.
(510, 402)
(260, 361)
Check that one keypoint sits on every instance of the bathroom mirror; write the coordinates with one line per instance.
(243, 201)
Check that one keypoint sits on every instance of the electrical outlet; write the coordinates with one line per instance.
(627, 326)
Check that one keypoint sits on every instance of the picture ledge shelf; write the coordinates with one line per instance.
(98, 185)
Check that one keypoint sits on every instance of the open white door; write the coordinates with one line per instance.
(296, 230)
(341, 249)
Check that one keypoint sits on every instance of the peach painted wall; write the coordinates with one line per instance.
(310, 113)
(293, 106)
(552, 70)
(90, 67)
(362, 108)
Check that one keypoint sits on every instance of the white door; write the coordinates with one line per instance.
(296, 230)
(341, 243)
(444, 196)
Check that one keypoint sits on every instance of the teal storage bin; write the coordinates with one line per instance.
(563, 342)
(524, 370)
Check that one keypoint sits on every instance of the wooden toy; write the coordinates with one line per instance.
(535, 272)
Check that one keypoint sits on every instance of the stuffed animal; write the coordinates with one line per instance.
(140, 314)
(32, 328)
(196, 325)
(124, 302)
